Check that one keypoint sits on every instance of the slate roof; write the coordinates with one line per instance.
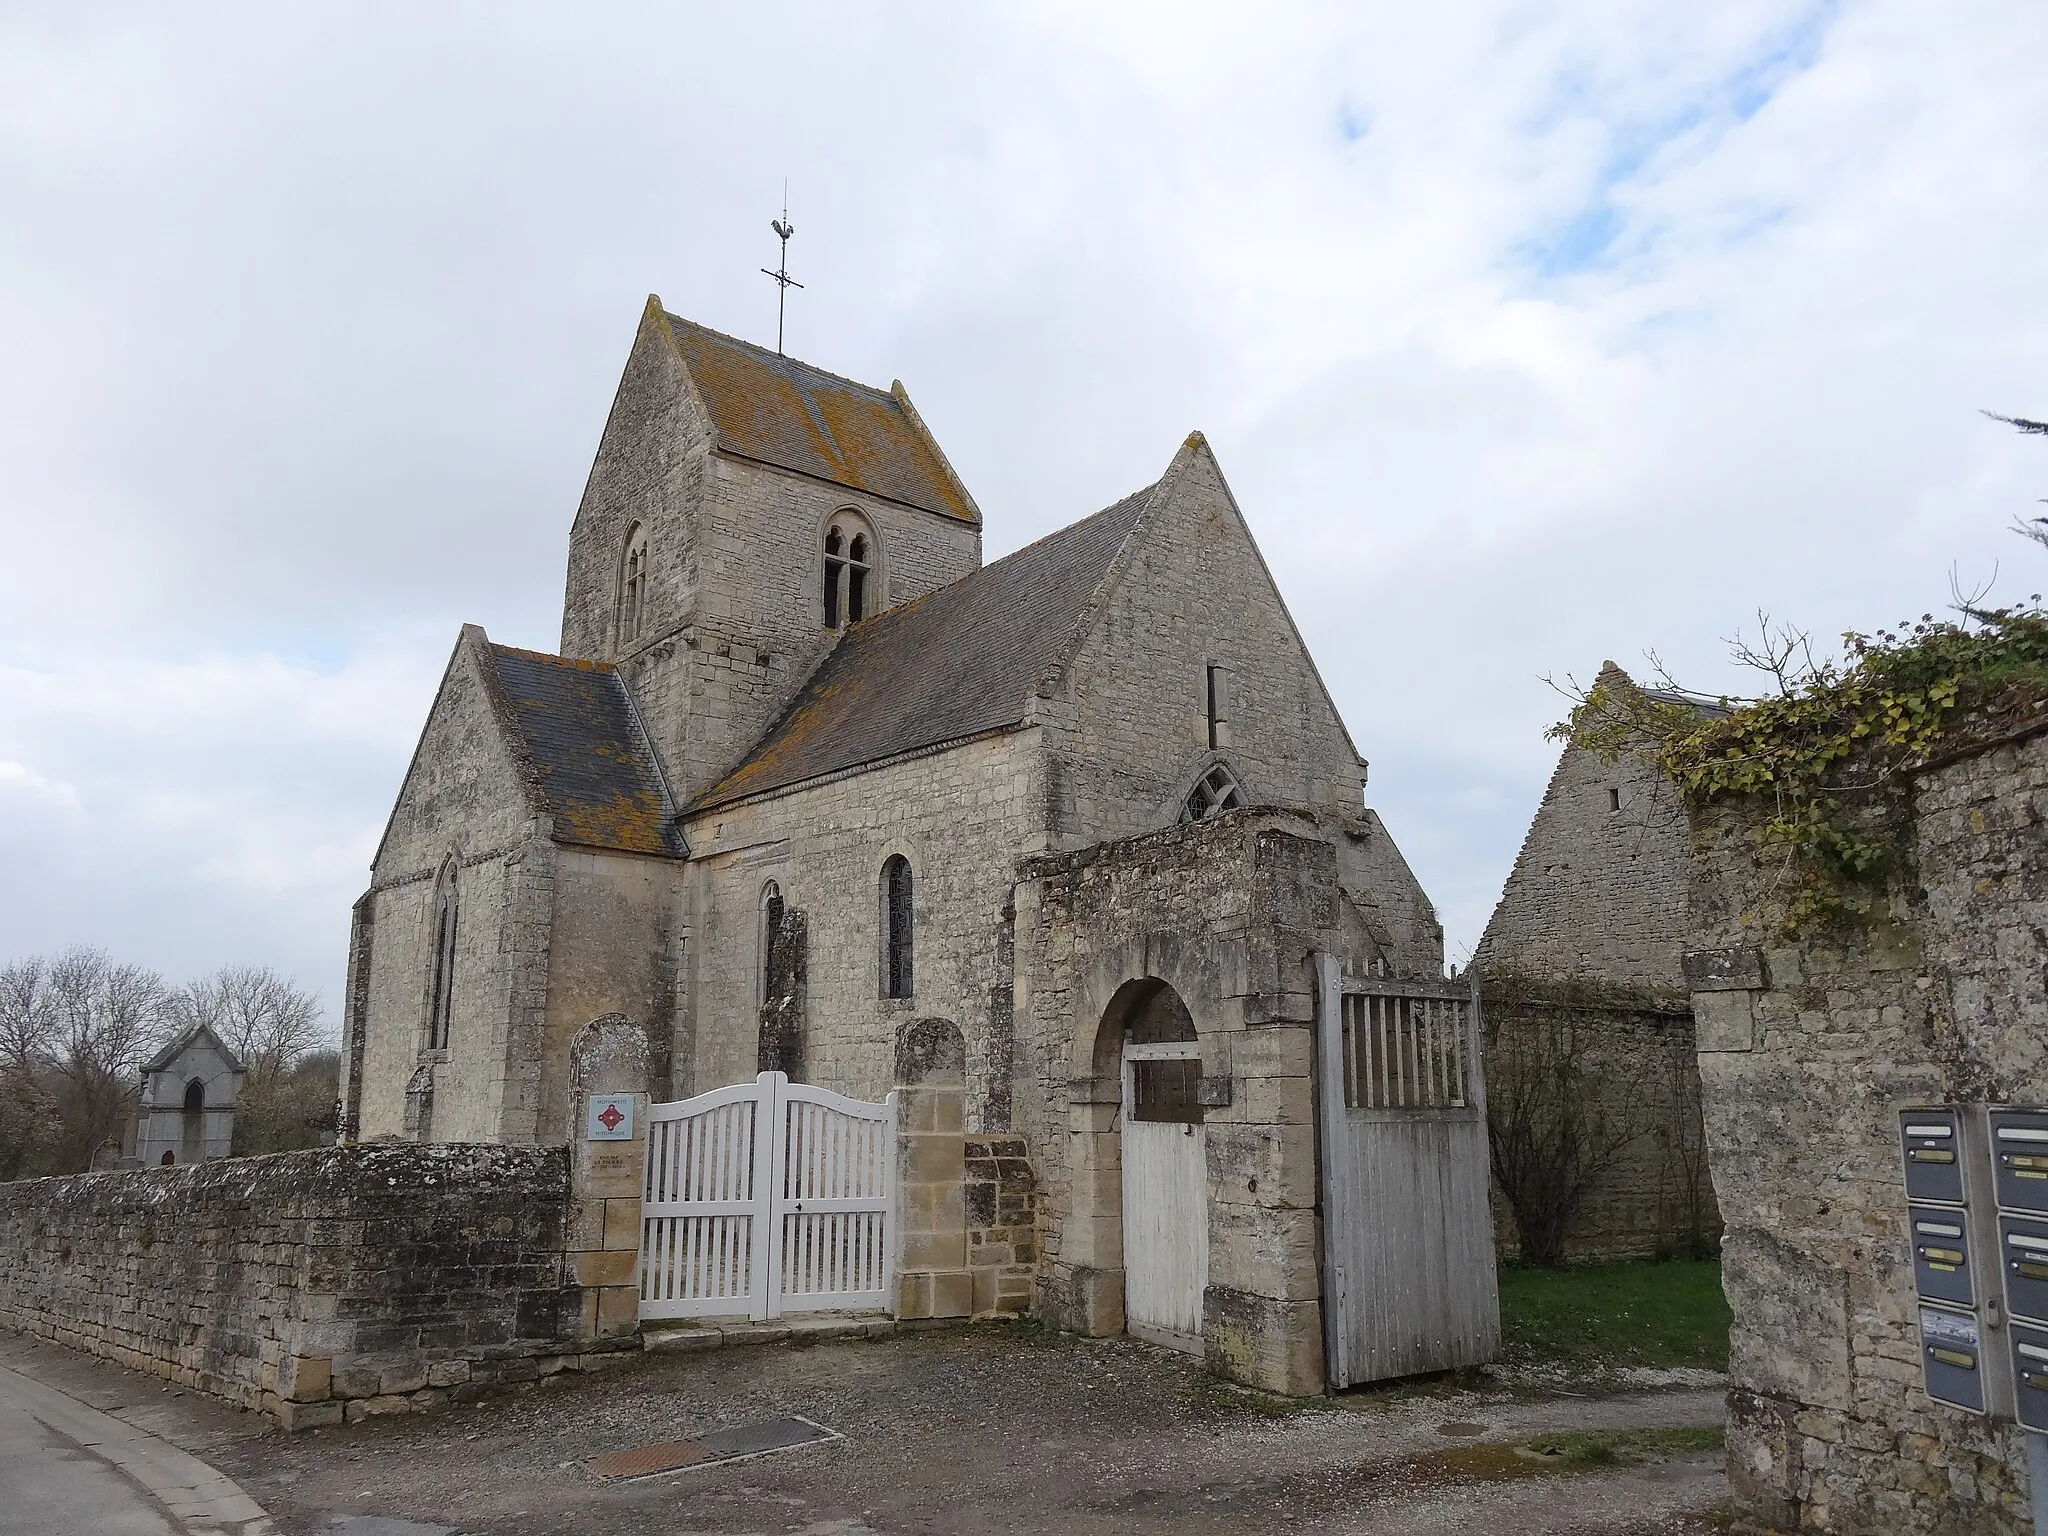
(773, 408)
(585, 752)
(161, 1061)
(953, 664)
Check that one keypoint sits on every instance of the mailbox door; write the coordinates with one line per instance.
(1941, 1254)
(2023, 1260)
(2019, 1158)
(2030, 1376)
(1931, 1142)
(1951, 1360)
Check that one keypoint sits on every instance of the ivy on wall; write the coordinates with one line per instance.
(1831, 758)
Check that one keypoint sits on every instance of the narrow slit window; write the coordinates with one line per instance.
(1215, 690)
(896, 919)
(442, 992)
(835, 573)
(857, 579)
(1613, 800)
(633, 575)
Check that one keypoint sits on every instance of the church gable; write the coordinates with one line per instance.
(468, 784)
(645, 483)
(1598, 888)
(1193, 691)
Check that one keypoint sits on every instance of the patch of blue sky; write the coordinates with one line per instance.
(1791, 51)
(1596, 235)
(1579, 243)
(1353, 121)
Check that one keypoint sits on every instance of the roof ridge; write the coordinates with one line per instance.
(952, 664)
(780, 357)
(1062, 658)
(581, 664)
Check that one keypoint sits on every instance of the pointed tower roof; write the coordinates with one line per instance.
(776, 410)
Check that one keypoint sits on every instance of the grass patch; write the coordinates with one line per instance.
(1564, 1455)
(1655, 1314)
(1625, 1447)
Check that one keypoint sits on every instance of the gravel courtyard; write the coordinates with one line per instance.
(969, 1430)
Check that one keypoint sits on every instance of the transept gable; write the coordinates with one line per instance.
(585, 752)
(515, 736)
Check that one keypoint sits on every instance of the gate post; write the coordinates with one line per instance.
(609, 1066)
(932, 1277)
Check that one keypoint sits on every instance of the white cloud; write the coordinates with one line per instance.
(1528, 335)
(20, 779)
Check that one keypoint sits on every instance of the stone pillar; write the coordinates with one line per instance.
(932, 1278)
(610, 1056)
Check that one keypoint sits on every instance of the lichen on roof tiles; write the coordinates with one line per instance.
(596, 771)
(787, 413)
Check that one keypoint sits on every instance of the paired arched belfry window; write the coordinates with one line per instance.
(896, 975)
(1215, 792)
(441, 991)
(633, 585)
(849, 570)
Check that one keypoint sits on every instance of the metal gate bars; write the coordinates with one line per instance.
(766, 1198)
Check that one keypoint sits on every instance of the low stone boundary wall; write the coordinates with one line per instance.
(315, 1286)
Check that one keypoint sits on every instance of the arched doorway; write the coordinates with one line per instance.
(192, 1123)
(1165, 1167)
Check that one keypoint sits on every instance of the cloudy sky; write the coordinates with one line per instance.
(1529, 334)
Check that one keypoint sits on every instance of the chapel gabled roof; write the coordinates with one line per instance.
(774, 409)
(956, 663)
(584, 751)
(162, 1060)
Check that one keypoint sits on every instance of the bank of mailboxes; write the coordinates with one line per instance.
(1972, 1254)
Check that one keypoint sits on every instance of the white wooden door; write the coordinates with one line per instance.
(1166, 1195)
(766, 1198)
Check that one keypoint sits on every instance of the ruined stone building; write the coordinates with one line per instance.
(1589, 1024)
(808, 786)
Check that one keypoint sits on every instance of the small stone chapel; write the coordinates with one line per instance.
(808, 787)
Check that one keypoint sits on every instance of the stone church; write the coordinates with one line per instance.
(808, 781)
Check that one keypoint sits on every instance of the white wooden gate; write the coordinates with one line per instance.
(1408, 1261)
(1166, 1195)
(765, 1198)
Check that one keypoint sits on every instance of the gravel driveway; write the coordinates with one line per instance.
(986, 1429)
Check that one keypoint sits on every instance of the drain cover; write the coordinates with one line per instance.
(719, 1445)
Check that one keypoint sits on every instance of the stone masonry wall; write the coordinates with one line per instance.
(1656, 1198)
(1226, 913)
(1598, 888)
(1596, 906)
(961, 817)
(315, 1286)
(1002, 1224)
(1193, 593)
(1805, 1063)
(463, 799)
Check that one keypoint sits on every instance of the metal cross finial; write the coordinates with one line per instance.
(783, 281)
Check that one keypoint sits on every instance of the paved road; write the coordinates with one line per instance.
(67, 1469)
